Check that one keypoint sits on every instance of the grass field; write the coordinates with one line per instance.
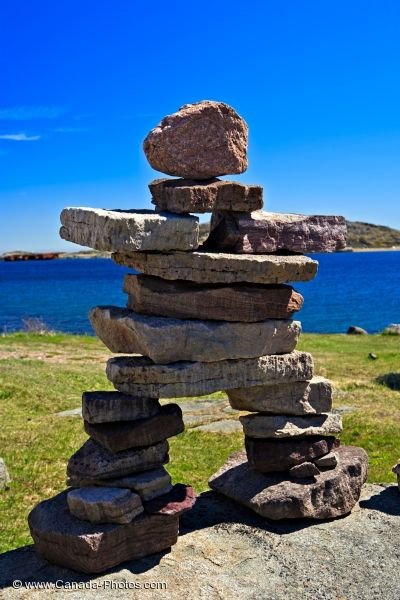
(41, 375)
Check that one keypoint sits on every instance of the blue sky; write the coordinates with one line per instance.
(83, 82)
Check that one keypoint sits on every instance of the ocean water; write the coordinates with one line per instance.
(361, 288)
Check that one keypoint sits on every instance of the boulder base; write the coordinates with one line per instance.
(167, 340)
(186, 300)
(200, 141)
(261, 232)
(65, 540)
(133, 434)
(217, 267)
(189, 196)
(332, 494)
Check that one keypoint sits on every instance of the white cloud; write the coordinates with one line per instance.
(70, 129)
(26, 113)
(19, 137)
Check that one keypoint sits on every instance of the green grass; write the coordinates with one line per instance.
(41, 375)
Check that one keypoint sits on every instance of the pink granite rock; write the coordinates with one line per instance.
(200, 141)
(261, 232)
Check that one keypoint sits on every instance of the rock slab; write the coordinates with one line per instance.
(269, 456)
(297, 398)
(105, 407)
(187, 195)
(333, 493)
(65, 540)
(263, 426)
(92, 460)
(140, 376)
(166, 340)
(148, 484)
(261, 232)
(218, 267)
(186, 300)
(116, 437)
(104, 505)
(200, 141)
(129, 230)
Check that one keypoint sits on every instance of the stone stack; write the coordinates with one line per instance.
(199, 320)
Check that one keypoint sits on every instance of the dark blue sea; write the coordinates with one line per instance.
(361, 288)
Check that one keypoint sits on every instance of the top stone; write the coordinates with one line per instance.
(200, 141)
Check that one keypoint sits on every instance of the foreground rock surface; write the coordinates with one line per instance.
(167, 340)
(133, 434)
(297, 398)
(148, 484)
(129, 230)
(261, 232)
(227, 551)
(104, 505)
(268, 456)
(217, 267)
(332, 494)
(105, 407)
(186, 300)
(200, 141)
(279, 426)
(65, 540)
(92, 460)
(187, 195)
(140, 376)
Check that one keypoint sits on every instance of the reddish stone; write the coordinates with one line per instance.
(268, 456)
(200, 141)
(187, 300)
(133, 434)
(179, 500)
(262, 232)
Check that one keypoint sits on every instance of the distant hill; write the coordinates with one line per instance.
(367, 235)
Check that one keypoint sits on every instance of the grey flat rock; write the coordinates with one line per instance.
(106, 407)
(328, 461)
(333, 493)
(140, 376)
(104, 504)
(190, 196)
(223, 426)
(303, 470)
(92, 460)
(226, 551)
(148, 484)
(166, 340)
(297, 398)
(259, 425)
(129, 230)
(218, 267)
